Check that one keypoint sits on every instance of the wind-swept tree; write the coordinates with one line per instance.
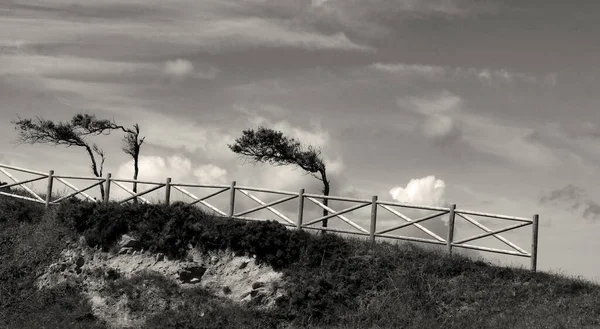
(270, 146)
(131, 145)
(71, 133)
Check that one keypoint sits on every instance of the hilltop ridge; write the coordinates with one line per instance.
(327, 281)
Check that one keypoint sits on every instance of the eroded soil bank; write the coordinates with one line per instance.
(221, 273)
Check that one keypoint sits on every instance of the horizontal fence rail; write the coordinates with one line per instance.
(300, 222)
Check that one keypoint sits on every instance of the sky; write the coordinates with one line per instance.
(489, 105)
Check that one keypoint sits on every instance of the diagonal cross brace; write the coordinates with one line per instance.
(74, 188)
(137, 195)
(126, 189)
(413, 222)
(483, 235)
(335, 214)
(77, 192)
(499, 237)
(417, 225)
(20, 197)
(22, 182)
(206, 197)
(268, 206)
(23, 186)
(198, 200)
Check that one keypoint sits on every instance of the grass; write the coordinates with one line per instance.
(332, 282)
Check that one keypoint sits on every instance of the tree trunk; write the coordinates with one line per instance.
(95, 169)
(136, 170)
(326, 193)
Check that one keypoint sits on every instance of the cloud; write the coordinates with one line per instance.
(181, 68)
(438, 114)
(369, 18)
(213, 25)
(575, 199)
(211, 175)
(508, 142)
(441, 129)
(551, 79)
(83, 69)
(444, 120)
(426, 191)
(427, 71)
(179, 168)
(262, 115)
(494, 75)
(447, 73)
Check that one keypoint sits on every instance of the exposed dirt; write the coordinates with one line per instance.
(222, 273)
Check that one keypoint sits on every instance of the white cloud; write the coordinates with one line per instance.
(179, 168)
(41, 65)
(182, 68)
(82, 69)
(427, 71)
(426, 191)
(209, 25)
(211, 175)
(178, 68)
(436, 72)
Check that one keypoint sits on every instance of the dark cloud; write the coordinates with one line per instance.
(574, 198)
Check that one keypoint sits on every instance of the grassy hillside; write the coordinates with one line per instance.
(332, 282)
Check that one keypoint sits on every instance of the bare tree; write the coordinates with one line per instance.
(131, 145)
(72, 133)
(269, 146)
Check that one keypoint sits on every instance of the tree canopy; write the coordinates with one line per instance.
(75, 133)
(270, 146)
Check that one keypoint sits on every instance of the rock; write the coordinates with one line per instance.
(255, 292)
(226, 290)
(191, 274)
(160, 257)
(214, 259)
(80, 261)
(128, 241)
(246, 296)
(257, 285)
(243, 265)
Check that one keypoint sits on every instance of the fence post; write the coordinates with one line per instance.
(168, 191)
(300, 208)
(450, 237)
(49, 190)
(107, 190)
(534, 242)
(373, 220)
(232, 200)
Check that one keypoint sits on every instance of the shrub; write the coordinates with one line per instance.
(13, 209)
(76, 214)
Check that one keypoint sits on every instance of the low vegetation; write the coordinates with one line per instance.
(331, 282)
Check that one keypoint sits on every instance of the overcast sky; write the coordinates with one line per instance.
(497, 99)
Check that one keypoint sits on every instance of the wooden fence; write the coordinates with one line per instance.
(300, 222)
